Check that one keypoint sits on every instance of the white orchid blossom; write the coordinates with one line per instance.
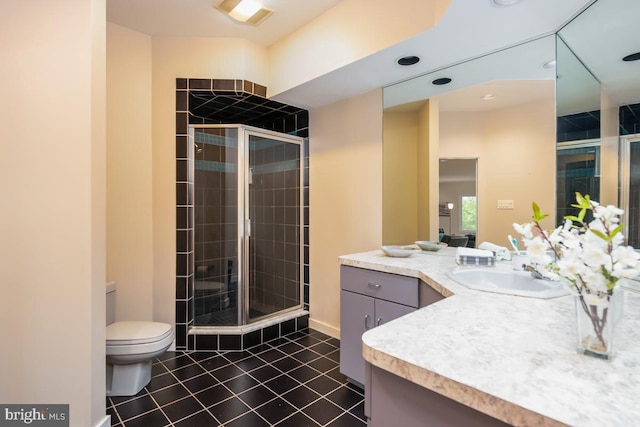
(524, 229)
(590, 257)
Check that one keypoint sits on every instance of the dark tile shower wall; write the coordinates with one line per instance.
(224, 101)
(576, 127)
(629, 118)
(275, 209)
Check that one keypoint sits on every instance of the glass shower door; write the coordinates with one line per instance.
(577, 170)
(630, 188)
(216, 211)
(274, 217)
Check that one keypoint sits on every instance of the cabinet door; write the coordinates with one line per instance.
(356, 316)
(387, 311)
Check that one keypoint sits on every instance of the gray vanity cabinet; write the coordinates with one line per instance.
(360, 313)
(368, 299)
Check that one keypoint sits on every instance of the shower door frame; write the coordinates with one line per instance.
(624, 178)
(244, 221)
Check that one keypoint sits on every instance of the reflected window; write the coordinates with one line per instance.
(469, 213)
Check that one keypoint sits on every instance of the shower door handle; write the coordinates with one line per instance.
(248, 227)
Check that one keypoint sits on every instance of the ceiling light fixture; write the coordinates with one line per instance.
(505, 2)
(549, 65)
(408, 60)
(632, 57)
(441, 81)
(244, 11)
(488, 97)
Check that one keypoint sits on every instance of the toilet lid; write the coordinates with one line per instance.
(132, 332)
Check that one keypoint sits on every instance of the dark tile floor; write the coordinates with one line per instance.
(291, 381)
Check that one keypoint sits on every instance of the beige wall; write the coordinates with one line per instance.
(428, 170)
(400, 178)
(410, 165)
(129, 174)
(609, 149)
(173, 58)
(344, 34)
(515, 148)
(53, 223)
(345, 193)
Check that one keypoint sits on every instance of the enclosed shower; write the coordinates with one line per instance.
(248, 228)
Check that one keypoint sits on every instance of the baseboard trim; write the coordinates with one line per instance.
(332, 331)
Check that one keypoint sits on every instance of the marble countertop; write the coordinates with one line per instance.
(513, 358)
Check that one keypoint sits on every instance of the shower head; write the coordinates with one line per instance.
(198, 148)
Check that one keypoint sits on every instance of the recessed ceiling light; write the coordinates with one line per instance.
(632, 57)
(244, 11)
(505, 2)
(488, 97)
(408, 60)
(441, 81)
(549, 65)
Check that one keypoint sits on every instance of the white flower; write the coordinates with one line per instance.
(596, 258)
(524, 229)
(589, 257)
(597, 300)
(609, 213)
(537, 251)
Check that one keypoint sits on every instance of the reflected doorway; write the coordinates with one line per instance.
(458, 199)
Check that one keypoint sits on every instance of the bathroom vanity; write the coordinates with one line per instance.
(369, 299)
(479, 358)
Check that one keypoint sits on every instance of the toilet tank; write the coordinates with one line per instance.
(111, 302)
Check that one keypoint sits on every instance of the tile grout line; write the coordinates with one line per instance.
(190, 393)
(275, 345)
(233, 393)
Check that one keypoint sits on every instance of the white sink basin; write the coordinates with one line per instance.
(507, 282)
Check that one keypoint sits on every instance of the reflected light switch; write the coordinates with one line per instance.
(505, 204)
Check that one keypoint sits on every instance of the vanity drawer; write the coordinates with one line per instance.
(386, 286)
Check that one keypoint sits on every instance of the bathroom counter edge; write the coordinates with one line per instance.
(512, 358)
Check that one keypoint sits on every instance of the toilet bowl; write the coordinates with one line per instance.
(131, 347)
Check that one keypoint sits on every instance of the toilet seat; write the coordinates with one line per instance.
(210, 286)
(131, 337)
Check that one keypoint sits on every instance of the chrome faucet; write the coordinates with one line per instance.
(534, 272)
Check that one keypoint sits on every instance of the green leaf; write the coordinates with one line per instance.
(536, 209)
(537, 216)
(616, 230)
(601, 235)
(572, 218)
(581, 214)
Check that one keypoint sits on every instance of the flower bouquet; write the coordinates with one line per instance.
(591, 258)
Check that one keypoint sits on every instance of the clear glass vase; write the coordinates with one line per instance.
(596, 320)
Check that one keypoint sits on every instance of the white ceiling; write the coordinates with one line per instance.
(457, 170)
(469, 29)
(198, 18)
(504, 73)
(601, 37)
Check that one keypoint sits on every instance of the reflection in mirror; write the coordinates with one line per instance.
(511, 134)
(600, 38)
(578, 130)
(458, 207)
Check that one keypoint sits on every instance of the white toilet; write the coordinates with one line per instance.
(131, 348)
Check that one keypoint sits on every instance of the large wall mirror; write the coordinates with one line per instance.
(598, 103)
(502, 110)
(498, 114)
